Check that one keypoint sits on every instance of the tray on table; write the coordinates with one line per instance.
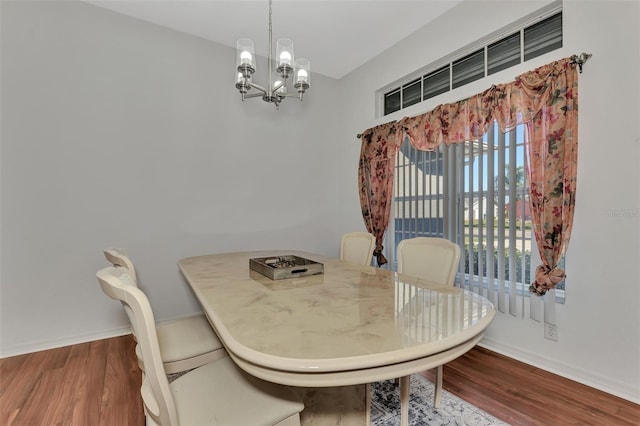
(285, 266)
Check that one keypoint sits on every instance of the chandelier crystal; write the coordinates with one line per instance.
(289, 69)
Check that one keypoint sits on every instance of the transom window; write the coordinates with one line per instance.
(522, 44)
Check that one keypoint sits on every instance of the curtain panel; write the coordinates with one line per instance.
(546, 101)
(375, 175)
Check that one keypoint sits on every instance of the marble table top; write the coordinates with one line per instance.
(350, 317)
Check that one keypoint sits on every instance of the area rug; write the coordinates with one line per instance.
(385, 406)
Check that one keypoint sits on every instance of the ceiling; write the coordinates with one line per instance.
(337, 36)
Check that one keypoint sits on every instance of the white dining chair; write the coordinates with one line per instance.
(217, 393)
(185, 343)
(357, 247)
(435, 260)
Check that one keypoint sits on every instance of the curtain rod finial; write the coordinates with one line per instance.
(580, 59)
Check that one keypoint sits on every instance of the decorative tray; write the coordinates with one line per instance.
(287, 266)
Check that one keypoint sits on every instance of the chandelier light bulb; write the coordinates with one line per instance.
(282, 89)
(302, 76)
(245, 57)
(285, 58)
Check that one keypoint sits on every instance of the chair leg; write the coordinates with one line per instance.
(367, 412)
(437, 395)
(404, 400)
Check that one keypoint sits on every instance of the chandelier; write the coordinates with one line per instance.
(285, 65)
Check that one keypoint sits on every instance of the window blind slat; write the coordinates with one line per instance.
(501, 218)
(413, 172)
(481, 210)
(448, 200)
(524, 205)
(470, 201)
(513, 223)
(490, 212)
(459, 158)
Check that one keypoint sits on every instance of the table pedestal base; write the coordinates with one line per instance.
(342, 405)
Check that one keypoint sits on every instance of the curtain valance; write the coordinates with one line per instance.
(510, 104)
(546, 101)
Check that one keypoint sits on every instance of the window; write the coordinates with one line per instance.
(543, 37)
(392, 101)
(436, 83)
(419, 194)
(503, 54)
(475, 194)
(525, 41)
(468, 69)
(411, 93)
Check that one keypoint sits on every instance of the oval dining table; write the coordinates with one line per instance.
(341, 329)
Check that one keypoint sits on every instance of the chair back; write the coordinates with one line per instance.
(433, 259)
(118, 257)
(117, 283)
(357, 247)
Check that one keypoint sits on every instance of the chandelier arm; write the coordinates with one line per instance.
(289, 95)
(260, 88)
(253, 95)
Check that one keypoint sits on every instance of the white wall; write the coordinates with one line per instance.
(116, 132)
(599, 326)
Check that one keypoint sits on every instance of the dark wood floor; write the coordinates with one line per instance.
(521, 394)
(97, 383)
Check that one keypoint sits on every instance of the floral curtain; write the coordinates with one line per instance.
(546, 100)
(552, 157)
(375, 174)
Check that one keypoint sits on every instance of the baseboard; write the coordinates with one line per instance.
(71, 340)
(587, 378)
(65, 341)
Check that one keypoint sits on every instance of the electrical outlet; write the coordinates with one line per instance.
(551, 331)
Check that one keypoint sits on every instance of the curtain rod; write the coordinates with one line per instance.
(575, 59)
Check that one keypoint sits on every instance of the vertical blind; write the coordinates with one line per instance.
(476, 195)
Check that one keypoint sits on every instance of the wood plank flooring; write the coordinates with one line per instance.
(95, 383)
(521, 394)
(98, 383)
